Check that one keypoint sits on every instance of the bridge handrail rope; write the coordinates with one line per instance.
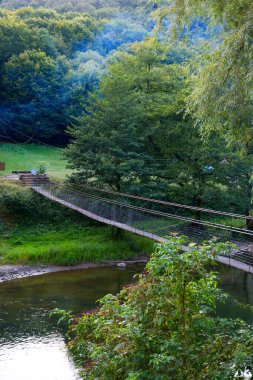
(178, 217)
(154, 211)
(159, 213)
(166, 203)
(153, 224)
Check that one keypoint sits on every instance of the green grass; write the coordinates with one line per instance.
(69, 245)
(27, 157)
(34, 230)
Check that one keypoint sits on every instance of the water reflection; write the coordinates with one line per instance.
(31, 345)
(39, 358)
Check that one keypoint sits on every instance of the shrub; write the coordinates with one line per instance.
(164, 327)
(42, 167)
(22, 202)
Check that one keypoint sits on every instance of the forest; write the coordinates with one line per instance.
(139, 106)
(98, 8)
(50, 61)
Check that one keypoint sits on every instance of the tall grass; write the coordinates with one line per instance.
(70, 245)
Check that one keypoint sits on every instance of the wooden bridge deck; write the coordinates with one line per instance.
(221, 259)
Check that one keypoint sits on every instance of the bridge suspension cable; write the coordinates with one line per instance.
(138, 217)
(160, 213)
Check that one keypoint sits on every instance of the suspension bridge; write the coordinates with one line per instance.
(155, 219)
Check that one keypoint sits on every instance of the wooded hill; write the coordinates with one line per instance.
(49, 61)
(98, 8)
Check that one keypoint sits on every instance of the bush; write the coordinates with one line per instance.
(164, 327)
(42, 167)
(23, 203)
(17, 201)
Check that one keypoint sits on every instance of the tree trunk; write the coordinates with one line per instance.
(117, 233)
(249, 218)
(198, 214)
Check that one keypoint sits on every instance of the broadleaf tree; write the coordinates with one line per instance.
(117, 142)
(135, 138)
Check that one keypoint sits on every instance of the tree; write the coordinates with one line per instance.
(116, 143)
(164, 326)
(205, 173)
(118, 32)
(222, 86)
(98, 8)
(134, 137)
(34, 90)
(39, 96)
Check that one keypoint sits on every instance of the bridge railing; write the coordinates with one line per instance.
(153, 222)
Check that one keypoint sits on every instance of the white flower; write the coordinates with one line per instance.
(247, 374)
(238, 374)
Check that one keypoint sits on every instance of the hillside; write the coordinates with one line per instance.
(100, 8)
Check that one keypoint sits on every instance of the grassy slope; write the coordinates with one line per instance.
(69, 245)
(27, 157)
(33, 230)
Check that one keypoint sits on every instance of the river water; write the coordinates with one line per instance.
(32, 346)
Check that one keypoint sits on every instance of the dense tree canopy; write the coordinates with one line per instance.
(49, 62)
(134, 137)
(99, 8)
(36, 52)
(117, 140)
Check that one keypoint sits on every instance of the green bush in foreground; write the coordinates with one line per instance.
(164, 326)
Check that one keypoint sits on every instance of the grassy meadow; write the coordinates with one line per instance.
(27, 157)
(35, 231)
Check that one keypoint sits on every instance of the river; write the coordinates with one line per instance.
(32, 346)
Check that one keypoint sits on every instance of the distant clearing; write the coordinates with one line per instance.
(27, 157)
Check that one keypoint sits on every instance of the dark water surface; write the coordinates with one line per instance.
(32, 347)
(239, 286)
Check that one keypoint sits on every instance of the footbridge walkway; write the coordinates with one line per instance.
(155, 219)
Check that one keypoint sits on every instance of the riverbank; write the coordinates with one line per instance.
(69, 245)
(12, 272)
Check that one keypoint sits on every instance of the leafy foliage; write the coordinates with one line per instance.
(164, 326)
(134, 137)
(206, 173)
(222, 86)
(37, 87)
(49, 62)
(117, 141)
(101, 8)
